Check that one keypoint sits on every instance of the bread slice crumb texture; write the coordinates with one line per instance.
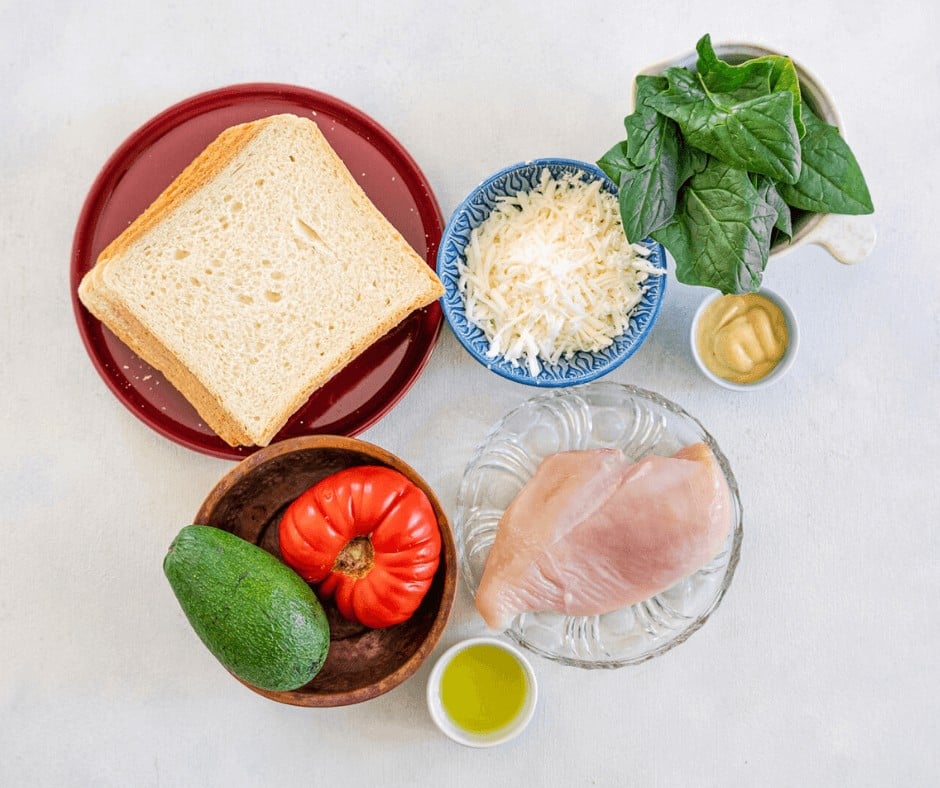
(260, 273)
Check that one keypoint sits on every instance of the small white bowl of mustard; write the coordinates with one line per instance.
(744, 342)
(482, 692)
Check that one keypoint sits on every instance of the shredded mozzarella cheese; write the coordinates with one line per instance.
(550, 273)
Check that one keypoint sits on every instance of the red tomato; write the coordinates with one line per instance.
(369, 537)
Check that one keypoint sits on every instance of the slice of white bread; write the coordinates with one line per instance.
(257, 275)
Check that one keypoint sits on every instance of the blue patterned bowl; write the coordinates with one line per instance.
(471, 213)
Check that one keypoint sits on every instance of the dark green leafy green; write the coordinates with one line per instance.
(717, 160)
(751, 79)
(645, 126)
(769, 194)
(831, 180)
(746, 81)
(720, 234)
(647, 167)
(649, 192)
(691, 161)
(784, 77)
(615, 161)
(757, 135)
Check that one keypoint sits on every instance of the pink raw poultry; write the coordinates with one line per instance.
(592, 532)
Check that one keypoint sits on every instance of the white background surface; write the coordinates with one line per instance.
(819, 668)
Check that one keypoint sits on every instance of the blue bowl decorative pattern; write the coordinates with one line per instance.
(472, 212)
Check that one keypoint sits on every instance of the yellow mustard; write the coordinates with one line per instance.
(741, 338)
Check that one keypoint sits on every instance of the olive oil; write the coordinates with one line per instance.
(483, 688)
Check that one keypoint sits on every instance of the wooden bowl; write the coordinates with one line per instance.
(362, 663)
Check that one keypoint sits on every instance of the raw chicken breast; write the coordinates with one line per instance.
(591, 532)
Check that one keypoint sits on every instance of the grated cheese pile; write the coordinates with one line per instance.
(550, 273)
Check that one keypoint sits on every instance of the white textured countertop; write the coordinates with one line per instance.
(819, 668)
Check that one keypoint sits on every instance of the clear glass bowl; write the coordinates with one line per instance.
(596, 415)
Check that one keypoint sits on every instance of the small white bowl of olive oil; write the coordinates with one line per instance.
(744, 342)
(482, 692)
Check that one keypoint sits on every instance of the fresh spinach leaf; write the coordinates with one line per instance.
(720, 234)
(757, 135)
(646, 166)
(691, 161)
(751, 79)
(615, 162)
(645, 126)
(784, 77)
(831, 180)
(648, 193)
(769, 194)
(676, 237)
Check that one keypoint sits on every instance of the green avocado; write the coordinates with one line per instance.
(254, 613)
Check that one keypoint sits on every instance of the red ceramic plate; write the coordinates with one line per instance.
(156, 153)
